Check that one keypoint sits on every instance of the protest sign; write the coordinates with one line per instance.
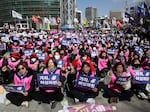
(41, 56)
(15, 49)
(142, 76)
(86, 82)
(40, 42)
(121, 80)
(60, 63)
(111, 51)
(65, 42)
(47, 80)
(19, 88)
(2, 47)
(5, 39)
(28, 52)
(139, 50)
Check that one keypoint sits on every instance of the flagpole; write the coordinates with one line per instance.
(27, 19)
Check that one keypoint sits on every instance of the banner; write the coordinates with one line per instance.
(37, 19)
(142, 77)
(111, 51)
(28, 52)
(60, 63)
(16, 15)
(86, 82)
(47, 80)
(2, 47)
(122, 80)
(15, 88)
(90, 108)
(41, 56)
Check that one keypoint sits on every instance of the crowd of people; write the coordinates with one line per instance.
(107, 55)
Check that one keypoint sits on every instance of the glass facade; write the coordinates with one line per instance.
(43, 8)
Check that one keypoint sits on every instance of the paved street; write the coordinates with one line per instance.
(135, 105)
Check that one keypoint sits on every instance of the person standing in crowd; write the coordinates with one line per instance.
(50, 94)
(23, 76)
(116, 88)
(77, 93)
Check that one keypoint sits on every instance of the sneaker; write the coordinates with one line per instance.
(25, 103)
(7, 102)
(53, 104)
(142, 95)
(76, 100)
(39, 102)
(90, 101)
(113, 100)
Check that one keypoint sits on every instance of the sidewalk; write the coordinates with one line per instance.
(135, 105)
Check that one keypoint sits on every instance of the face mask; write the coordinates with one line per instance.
(94, 49)
(62, 54)
(33, 59)
(103, 57)
(13, 59)
(57, 57)
(136, 65)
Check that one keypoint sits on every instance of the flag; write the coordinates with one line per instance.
(37, 19)
(16, 15)
(46, 20)
(126, 6)
(57, 20)
(131, 19)
(119, 24)
(85, 21)
(114, 21)
(53, 21)
(143, 9)
(48, 27)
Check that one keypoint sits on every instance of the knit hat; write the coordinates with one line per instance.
(28, 47)
(33, 55)
(45, 49)
(15, 55)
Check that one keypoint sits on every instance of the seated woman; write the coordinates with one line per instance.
(50, 94)
(118, 83)
(103, 64)
(22, 76)
(80, 94)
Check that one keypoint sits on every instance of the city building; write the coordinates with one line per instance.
(68, 11)
(42, 8)
(91, 13)
(118, 14)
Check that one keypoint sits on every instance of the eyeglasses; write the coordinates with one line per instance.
(21, 68)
